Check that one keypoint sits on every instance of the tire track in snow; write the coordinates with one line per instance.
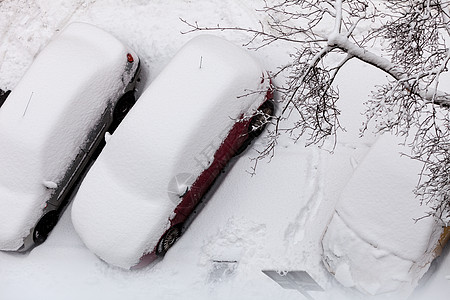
(295, 232)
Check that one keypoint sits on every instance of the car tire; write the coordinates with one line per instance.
(45, 226)
(123, 106)
(259, 121)
(168, 240)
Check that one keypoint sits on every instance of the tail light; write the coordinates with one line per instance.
(130, 58)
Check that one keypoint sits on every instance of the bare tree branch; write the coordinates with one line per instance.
(414, 52)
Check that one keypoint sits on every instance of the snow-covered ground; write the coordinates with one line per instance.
(271, 221)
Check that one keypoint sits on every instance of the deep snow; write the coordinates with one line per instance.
(370, 231)
(273, 220)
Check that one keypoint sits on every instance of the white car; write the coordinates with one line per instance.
(373, 242)
(204, 108)
(51, 124)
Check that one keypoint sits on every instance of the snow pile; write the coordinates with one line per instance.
(124, 204)
(274, 220)
(46, 120)
(373, 242)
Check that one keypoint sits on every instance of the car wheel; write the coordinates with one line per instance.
(257, 125)
(44, 227)
(168, 239)
(123, 106)
(260, 120)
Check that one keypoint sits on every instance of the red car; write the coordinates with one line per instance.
(205, 107)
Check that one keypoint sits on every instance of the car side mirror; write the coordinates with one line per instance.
(51, 185)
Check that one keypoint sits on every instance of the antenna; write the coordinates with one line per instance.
(26, 108)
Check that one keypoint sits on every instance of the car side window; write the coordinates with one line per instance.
(3, 96)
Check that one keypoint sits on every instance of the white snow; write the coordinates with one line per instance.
(274, 220)
(124, 203)
(46, 118)
(373, 241)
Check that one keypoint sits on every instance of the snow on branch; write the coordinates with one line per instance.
(410, 82)
(407, 39)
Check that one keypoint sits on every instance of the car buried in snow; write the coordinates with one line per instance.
(53, 122)
(378, 241)
(205, 107)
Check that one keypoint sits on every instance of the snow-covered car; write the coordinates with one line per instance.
(78, 87)
(377, 240)
(204, 108)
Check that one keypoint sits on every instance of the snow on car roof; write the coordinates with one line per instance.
(44, 121)
(371, 208)
(373, 230)
(175, 128)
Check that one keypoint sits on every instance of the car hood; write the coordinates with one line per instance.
(19, 212)
(118, 224)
